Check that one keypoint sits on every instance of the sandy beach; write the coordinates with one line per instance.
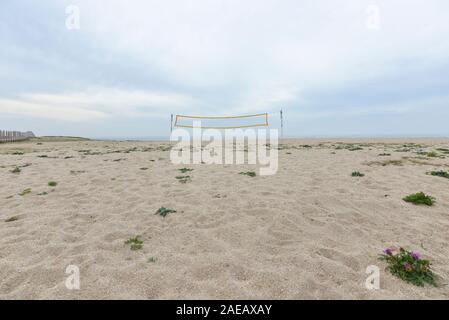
(307, 232)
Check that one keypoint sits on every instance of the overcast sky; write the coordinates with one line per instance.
(336, 67)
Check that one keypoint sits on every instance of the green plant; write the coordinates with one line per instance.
(24, 192)
(420, 198)
(135, 243)
(184, 170)
(164, 211)
(152, 259)
(16, 170)
(184, 179)
(251, 174)
(144, 168)
(42, 193)
(408, 266)
(443, 150)
(357, 174)
(442, 174)
(52, 184)
(432, 154)
(12, 219)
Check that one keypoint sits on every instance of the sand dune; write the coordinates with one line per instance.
(308, 232)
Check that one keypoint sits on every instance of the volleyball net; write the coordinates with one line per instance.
(222, 122)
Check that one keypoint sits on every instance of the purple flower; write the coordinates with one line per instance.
(416, 255)
(408, 267)
(388, 251)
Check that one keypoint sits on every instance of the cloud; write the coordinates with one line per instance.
(93, 105)
(37, 109)
(151, 58)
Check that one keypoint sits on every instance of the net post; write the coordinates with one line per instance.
(171, 123)
(282, 124)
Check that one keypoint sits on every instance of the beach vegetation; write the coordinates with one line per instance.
(52, 184)
(357, 174)
(135, 243)
(409, 266)
(15, 218)
(443, 150)
(16, 170)
(184, 170)
(355, 148)
(251, 174)
(25, 192)
(163, 212)
(420, 198)
(183, 179)
(441, 173)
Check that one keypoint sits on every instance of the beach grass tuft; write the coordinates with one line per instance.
(12, 219)
(16, 170)
(25, 192)
(184, 170)
(251, 174)
(441, 173)
(52, 184)
(420, 198)
(135, 243)
(184, 179)
(152, 260)
(357, 174)
(163, 212)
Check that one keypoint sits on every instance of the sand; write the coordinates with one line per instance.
(308, 232)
